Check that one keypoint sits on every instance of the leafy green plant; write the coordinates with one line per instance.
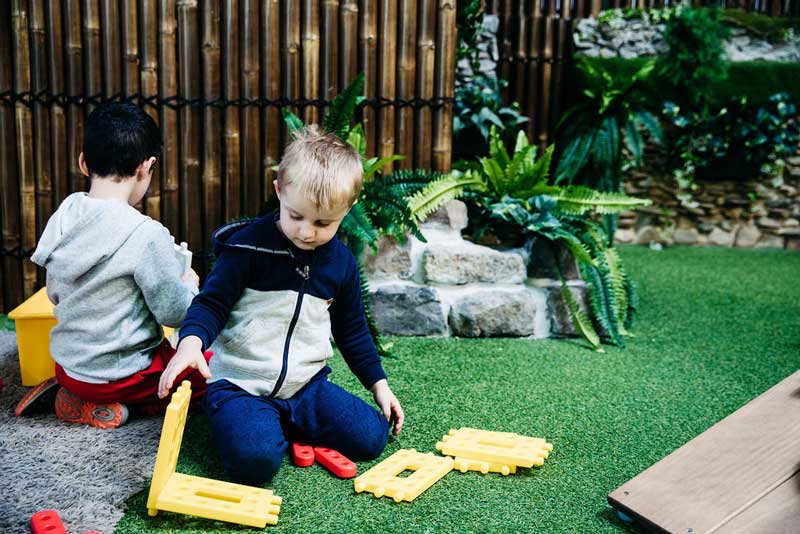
(611, 115)
(392, 204)
(738, 141)
(516, 196)
(695, 58)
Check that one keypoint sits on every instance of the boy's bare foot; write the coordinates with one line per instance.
(72, 409)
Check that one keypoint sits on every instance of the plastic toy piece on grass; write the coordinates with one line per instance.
(469, 464)
(336, 463)
(47, 522)
(202, 497)
(383, 479)
(504, 448)
(302, 454)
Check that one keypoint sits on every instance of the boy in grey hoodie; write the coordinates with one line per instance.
(114, 278)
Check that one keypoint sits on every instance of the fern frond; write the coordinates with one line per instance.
(337, 120)
(580, 321)
(597, 296)
(633, 301)
(577, 200)
(357, 226)
(406, 182)
(294, 124)
(611, 300)
(617, 279)
(431, 197)
(383, 349)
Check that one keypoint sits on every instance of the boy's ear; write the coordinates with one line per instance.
(277, 189)
(82, 165)
(144, 169)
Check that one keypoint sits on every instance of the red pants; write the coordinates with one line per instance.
(140, 390)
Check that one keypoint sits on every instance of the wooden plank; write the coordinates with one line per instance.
(724, 471)
(777, 511)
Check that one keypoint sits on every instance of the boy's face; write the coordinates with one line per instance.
(306, 225)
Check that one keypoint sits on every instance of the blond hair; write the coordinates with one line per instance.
(323, 167)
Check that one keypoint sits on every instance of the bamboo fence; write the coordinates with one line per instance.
(214, 75)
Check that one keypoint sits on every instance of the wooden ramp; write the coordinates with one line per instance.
(742, 475)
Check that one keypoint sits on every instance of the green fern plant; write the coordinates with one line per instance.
(516, 194)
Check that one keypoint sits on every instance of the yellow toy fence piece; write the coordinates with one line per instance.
(383, 480)
(469, 464)
(499, 448)
(202, 497)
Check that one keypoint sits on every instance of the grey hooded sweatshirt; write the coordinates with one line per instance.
(114, 278)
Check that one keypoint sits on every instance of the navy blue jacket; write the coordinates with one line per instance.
(268, 310)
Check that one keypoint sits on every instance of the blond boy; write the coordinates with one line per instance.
(281, 286)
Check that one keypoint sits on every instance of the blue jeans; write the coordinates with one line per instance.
(252, 433)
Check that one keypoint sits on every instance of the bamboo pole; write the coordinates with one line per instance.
(520, 41)
(290, 52)
(547, 80)
(148, 84)
(58, 125)
(348, 59)
(130, 43)
(597, 6)
(12, 272)
(426, 65)
(92, 56)
(445, 85)
(230, 77)
(387, 75)
(24, 129)
(41, 116)
(329, 49)
(368, 62)
(250, 128)
(168, 87)
(406, 69)
(309, 43)
(109, 32)
(212, 120)
(533, 67)
(271, 89)
(192, 223)
(563, 40)
(505, 45)
(75, 87)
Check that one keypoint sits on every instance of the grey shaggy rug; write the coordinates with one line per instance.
(84, 473)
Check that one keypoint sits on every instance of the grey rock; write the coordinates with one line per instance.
(721, 238)
(557, 309)
(686, 236)
(407, 310)
(770, 241)
(766, 222)
(542, 262)
(705, 227)
(392, 258)
(464, 262)
(494, 313)
(747, 236)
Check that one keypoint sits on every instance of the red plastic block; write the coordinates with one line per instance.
(302, 454)
(334, 462)
(47, 522)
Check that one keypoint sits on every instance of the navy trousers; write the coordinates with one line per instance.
(252, 433)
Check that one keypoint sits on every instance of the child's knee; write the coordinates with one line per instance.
(372, 442)
(254, 464)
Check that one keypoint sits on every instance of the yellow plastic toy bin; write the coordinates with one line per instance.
(33, 321)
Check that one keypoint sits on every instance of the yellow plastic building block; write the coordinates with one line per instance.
(500, 448)
(383, 480)
(468, 464)
(33, 321)
(202, 497)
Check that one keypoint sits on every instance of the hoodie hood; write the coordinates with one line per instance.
(262, 235)
(84, 232)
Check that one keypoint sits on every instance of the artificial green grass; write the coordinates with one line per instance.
(716, 328)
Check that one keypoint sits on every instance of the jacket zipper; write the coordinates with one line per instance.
(305, 273)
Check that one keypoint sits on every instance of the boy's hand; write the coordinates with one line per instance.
(189, 354)
(388, 404)
(191, 276)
